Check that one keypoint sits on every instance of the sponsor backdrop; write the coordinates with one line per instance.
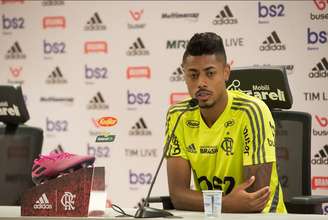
(98, 77)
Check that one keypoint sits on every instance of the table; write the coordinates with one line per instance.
(13, 213)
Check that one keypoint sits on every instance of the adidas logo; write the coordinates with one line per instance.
(137, 49)
(140, 129)
(42, 203)
(177, 75)
(272, 42)
(321, 157)
(97, 102)
(95, 24)
(191, 148)
(56, 77)
(225, 17)
(320, 70)
(15, 52)
(58, 149)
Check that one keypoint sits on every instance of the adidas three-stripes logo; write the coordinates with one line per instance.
(56, 76)
(140, 128)
(97, 102)
(321, 157)
(15, 52)
(95, 23)
(177, 75)
(272, 42)
(137, 48)
(42, 202)
(320, 70)
(225, 17)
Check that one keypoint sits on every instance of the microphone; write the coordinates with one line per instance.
(144, 211)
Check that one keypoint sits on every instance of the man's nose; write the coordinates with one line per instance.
(202, 81)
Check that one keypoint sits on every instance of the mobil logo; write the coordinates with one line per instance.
(12, 22)
(140, 178)
(139, 98)
(56, 125)
(53, 47)
(314, 37)
(95, 72)
(271, 10)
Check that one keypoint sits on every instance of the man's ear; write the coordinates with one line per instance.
(226, 72)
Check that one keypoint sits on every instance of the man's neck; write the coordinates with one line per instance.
(210, 115)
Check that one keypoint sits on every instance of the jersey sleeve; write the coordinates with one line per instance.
(258, 135)
(176, 148)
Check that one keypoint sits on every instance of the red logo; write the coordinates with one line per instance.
(95, 47)
(138, 72)
(320, 182)
(321, 4)
(54, 22)
(136, 15)
(12, 1)
(176, 97)
(15, 71)
(323, 121)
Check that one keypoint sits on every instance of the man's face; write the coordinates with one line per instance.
(205, 77)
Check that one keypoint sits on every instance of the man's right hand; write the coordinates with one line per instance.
(239, 200)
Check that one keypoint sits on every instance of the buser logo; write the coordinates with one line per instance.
(320, 182)
(176, 97)
(6, 110)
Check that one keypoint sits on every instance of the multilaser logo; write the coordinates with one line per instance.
(54, 22)
(95, 47)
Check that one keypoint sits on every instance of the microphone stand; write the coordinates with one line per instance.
(144, 211)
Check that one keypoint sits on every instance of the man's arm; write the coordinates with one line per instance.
(179, 176)
(262, 173)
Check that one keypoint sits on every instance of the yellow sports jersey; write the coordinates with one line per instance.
(243, 135)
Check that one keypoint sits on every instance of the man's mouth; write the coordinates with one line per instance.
(203, 94)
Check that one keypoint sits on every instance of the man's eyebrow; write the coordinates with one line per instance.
(208, 68)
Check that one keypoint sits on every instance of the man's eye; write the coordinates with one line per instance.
(210, 73)
(193, 75)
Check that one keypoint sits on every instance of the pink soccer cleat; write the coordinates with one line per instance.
(55, 164)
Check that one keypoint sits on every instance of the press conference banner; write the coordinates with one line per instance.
(99, 76)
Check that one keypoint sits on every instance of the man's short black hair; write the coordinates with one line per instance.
(207, 43)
